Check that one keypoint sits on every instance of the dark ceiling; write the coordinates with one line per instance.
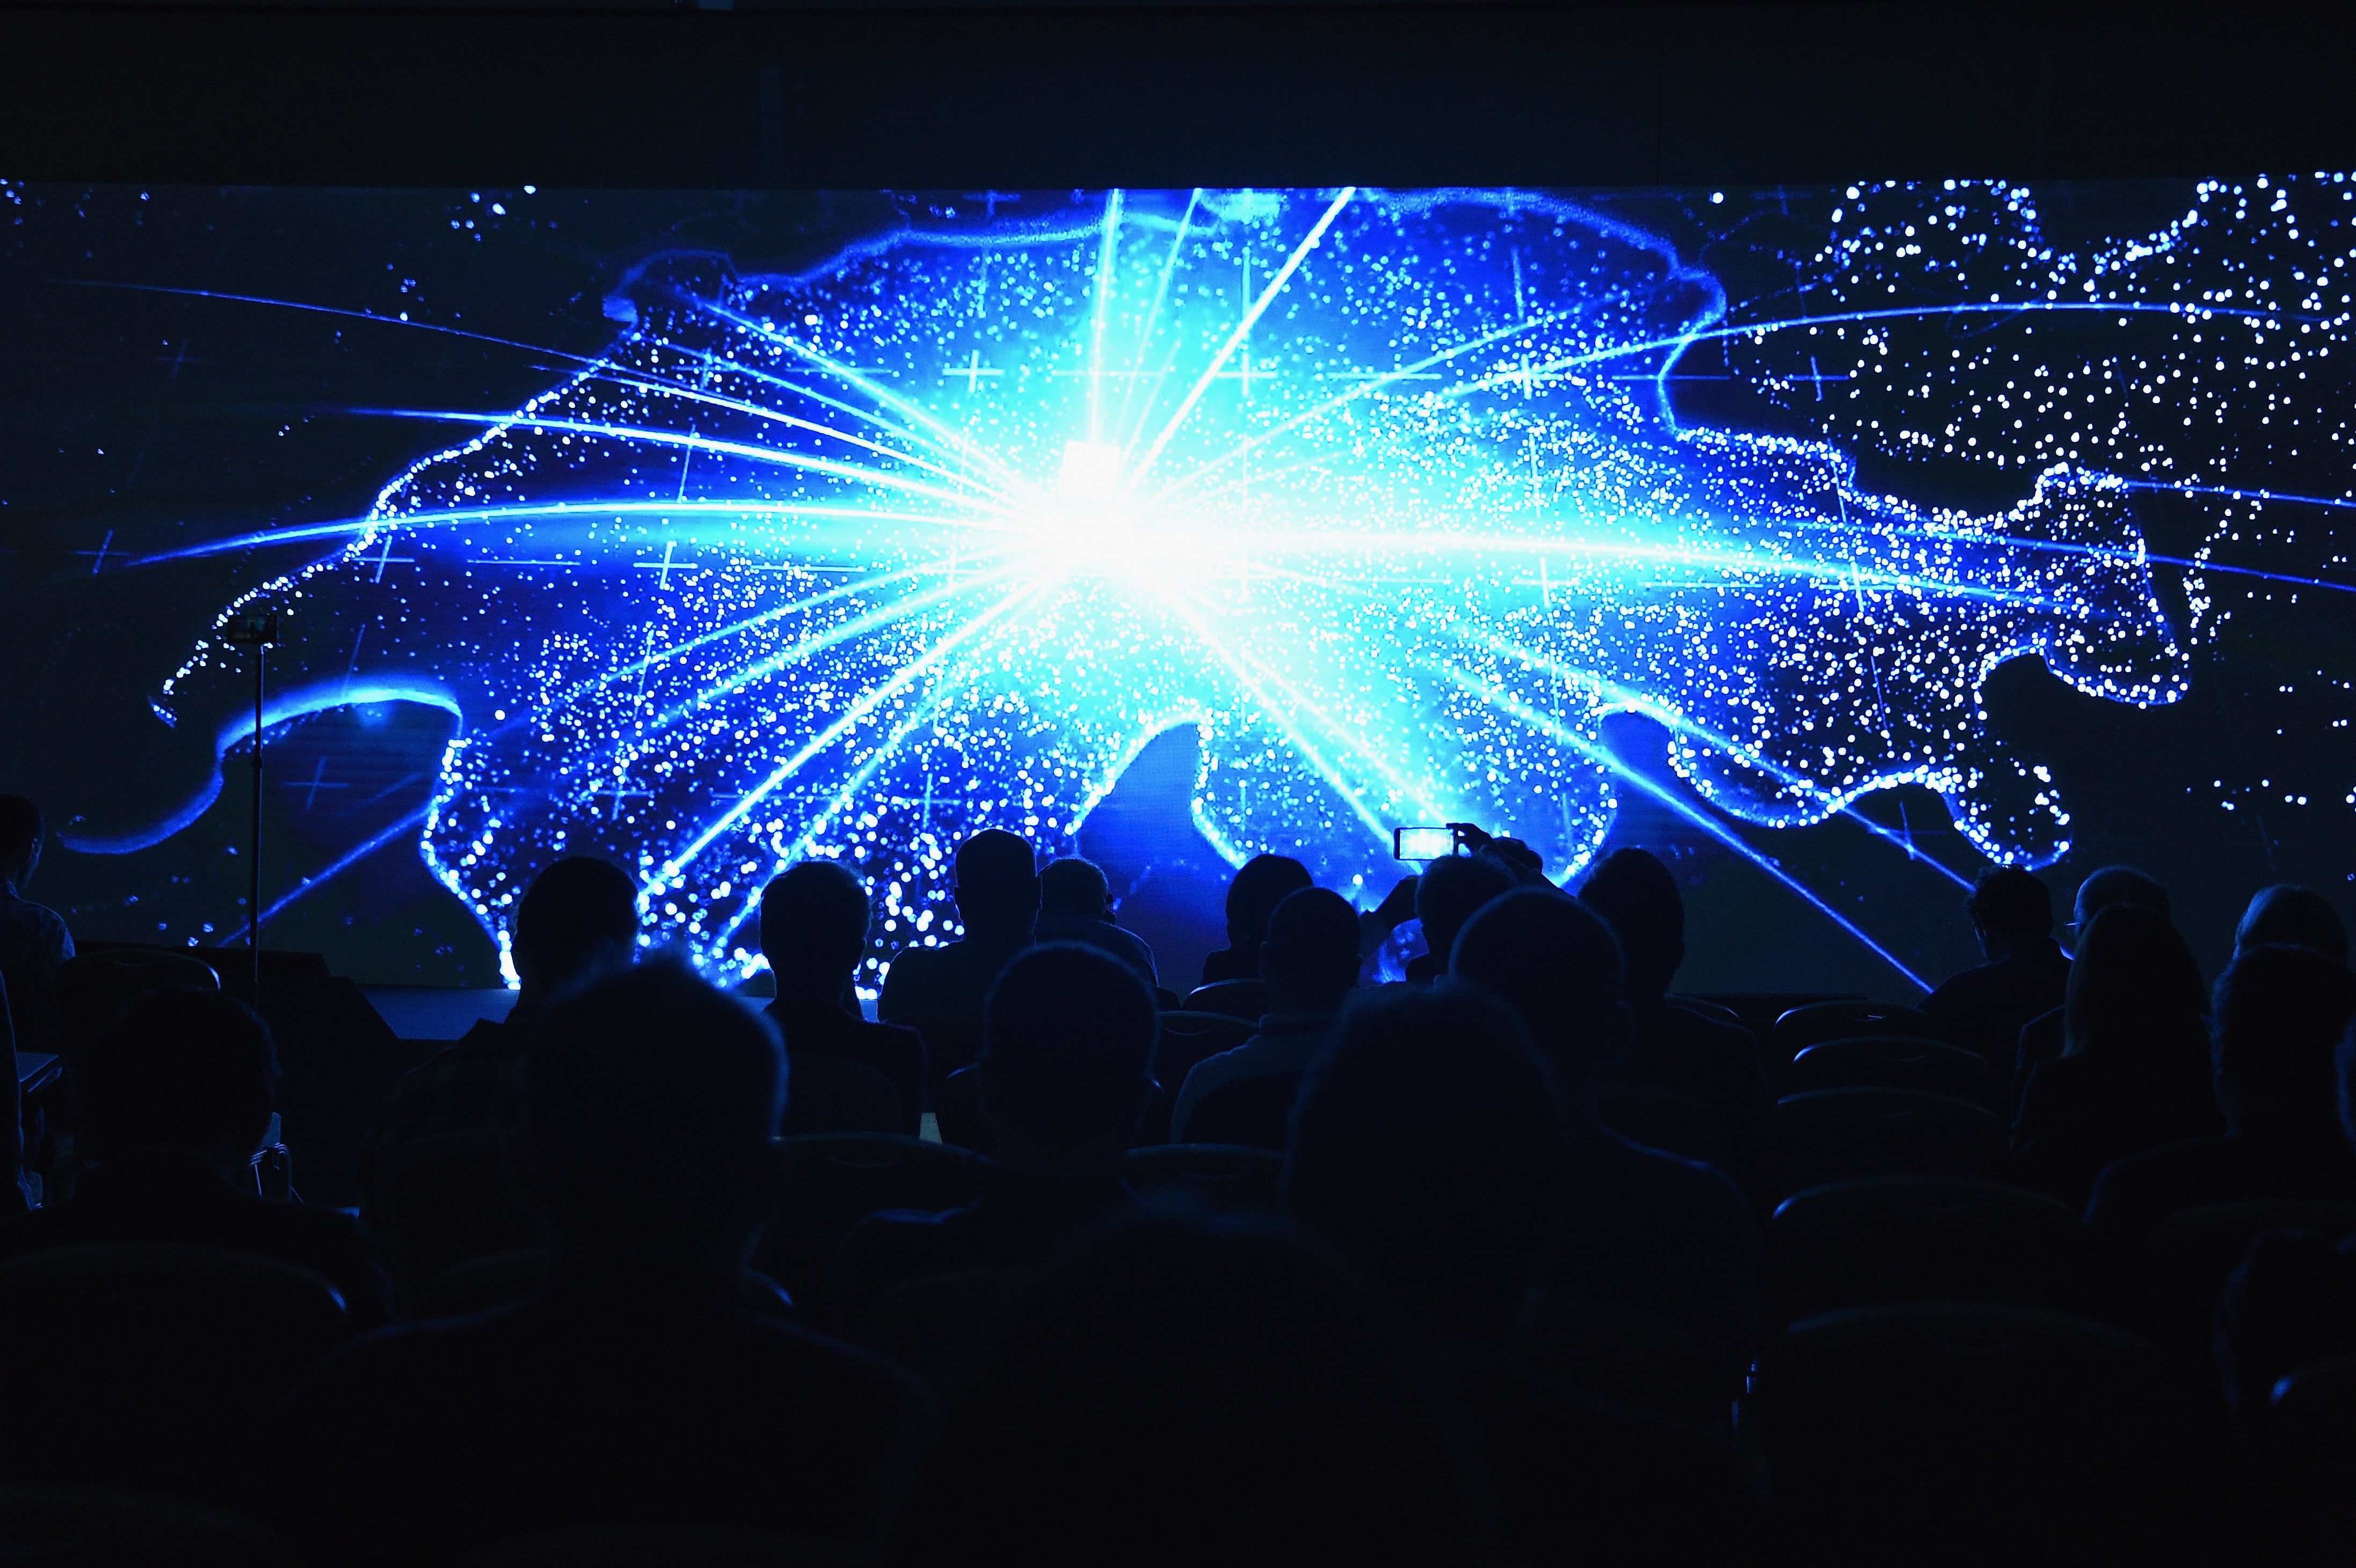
(873, 95)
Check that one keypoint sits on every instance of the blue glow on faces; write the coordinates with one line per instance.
(1380, 493)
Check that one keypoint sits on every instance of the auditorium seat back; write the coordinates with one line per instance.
(1218, 1176)
(2303, 1440)
(930, 1325)
(952, 1037)
(1835, 1135)
(485, 1284)
(836, 1179)
(1663, 1119)
(98, 985)
(435, 1202)
(1255, 1111)
(1893, 1061)
(152, 1368)
(1818, 1022)
(1186, 1039)
(86, 1527)
(2190, 1255)
(1971, 1433)
(1245, 999)
(1624, 1358)
(957, 1112)
(1879, 1240)
(836, 1094)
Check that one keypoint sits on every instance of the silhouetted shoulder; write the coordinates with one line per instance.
(907, 984)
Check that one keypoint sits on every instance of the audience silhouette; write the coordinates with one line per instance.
(814, 920)
(575, 925)
(998, 901)
(1643, 1230)
(2280, 1013)
(1487, 1327)
(1713, 1063)
(176, 1102)
(1260, 884)
(635, 1388)
(1067, 1037)
(2026, 972)
(33, 941)
(1075, 906)
(2292, 1303)
(2135, 1071)
(1181, 1392)
(1310, 960)
(1447, 893)
(1431, 1149)
(2042, 1038)
(2295, 917)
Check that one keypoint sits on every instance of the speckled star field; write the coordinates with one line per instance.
(1384, 494)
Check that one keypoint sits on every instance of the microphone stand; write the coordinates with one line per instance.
(257, 630)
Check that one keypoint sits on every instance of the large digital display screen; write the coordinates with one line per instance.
(1833, 543)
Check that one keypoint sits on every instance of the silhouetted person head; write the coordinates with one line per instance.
(2295, 917)
(1556, 967)
(814, 918)
(1637, 897)
(1450, 889)
(191, 1073)
(578, 922)
(997, 885)
(1184, 1393)
(2008, 907)
(1260, 885)
(1075, 889)
(1430, 1146)
(1068, 1043)
(651, 1105)
(2135, 994)
(1310, 958)
(2116, 885)
(2280, 1011)
(20, 840)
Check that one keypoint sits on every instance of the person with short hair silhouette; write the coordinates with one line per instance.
(638, 1387)
(176, 1100)
(2042, 1038)
(1182, 1393)
(1431, 1149)
(33, 940)
(2280, 1013)
(2133, 1072)
(814, 921)
(2026, 972)
(2287, 916)
(1310, 961)
(997, 899)
(1705, 1060)
(1644, 1232)
(576, 925)
(1450, 889)
(1260, 884)
(1067, 1041)
(1075, 906)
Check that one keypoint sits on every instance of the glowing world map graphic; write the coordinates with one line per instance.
(1384, 494)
